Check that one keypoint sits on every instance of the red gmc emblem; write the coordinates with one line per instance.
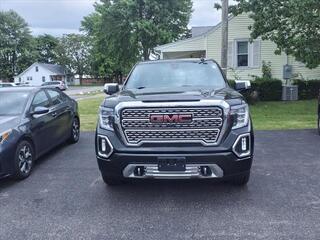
(171, 118)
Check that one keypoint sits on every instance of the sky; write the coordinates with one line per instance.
(57, 17)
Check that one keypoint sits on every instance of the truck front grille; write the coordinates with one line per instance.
(205, 126)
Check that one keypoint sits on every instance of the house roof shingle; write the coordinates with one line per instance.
(58, 69)
(54, 68)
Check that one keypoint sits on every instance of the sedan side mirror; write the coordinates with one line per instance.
(111, 88)
(242, 85)
(40, 110)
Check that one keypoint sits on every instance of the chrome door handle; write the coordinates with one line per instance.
(54, 114)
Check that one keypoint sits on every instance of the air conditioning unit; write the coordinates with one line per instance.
(289, 93)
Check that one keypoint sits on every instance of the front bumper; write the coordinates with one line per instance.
(7, 153)
(222, 165)
(221, 161)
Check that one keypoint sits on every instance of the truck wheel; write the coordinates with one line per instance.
(23, 161)
(110, 181)
(241, 180)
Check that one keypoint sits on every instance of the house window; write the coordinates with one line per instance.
(43, 79)
(37, 69)
(19, 79)
(243, 54)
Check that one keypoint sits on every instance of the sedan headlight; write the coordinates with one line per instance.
(106, 118)
(5, 135)
(241, 113)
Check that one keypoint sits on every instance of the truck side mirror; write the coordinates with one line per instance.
(242, 85)
(111, 88)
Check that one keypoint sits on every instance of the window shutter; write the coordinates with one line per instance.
(256, 54)
(230, 55)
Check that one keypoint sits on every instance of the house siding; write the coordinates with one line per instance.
(36, 76)
(302, 72)
(238, 30)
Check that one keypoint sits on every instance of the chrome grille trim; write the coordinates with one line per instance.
(204, 112)
(198, 123)
(192, 171)
(212, 104)
(194, 135)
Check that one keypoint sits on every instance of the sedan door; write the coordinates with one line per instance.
(42, 125)
(64, 116)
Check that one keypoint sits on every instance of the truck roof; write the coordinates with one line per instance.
(177, 60)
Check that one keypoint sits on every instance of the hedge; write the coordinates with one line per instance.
(263, 90)
(308, 89)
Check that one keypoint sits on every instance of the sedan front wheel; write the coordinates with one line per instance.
(24, 160)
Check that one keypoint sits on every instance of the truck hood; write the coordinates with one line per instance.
(173, 95)
(8, 122)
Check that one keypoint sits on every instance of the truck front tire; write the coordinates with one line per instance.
(111, 181)
(240, 180)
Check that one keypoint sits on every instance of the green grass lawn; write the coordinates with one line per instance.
(88, 109)
(265, 115)
(284, 115)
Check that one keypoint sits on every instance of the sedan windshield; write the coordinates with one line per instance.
(12, 103)
(199, 74)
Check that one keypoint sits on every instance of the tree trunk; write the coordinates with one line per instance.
(146, 54)
(80, 79)
(224, 28)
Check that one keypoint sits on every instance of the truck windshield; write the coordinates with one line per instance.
(12, 103)
(198, 74)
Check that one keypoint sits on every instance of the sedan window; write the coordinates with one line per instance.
(55, 97)
(40, 100)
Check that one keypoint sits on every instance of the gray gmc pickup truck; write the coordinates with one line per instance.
(175, 119)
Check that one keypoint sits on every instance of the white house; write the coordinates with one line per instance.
(244, 58)
(38, 73)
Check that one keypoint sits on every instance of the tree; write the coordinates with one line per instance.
(46, 47)
(124, 31)
(294, 25)
(73, 52)
(16, 45)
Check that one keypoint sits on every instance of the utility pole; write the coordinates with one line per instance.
(224, 32)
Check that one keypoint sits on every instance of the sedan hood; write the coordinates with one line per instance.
(8, 122)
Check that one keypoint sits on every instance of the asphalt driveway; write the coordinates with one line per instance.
(65, 198)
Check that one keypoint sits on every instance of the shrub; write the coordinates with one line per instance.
(232, 83)
(266, 70)
(308, 89)
(262, 89)
(269, 89)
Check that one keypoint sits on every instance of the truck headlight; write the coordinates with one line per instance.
(5, 135)
(241, 113)
(106, 118)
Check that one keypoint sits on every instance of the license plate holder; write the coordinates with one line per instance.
(172, 164)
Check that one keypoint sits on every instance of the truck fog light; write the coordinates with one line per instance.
(103, 145)
(105, 148)
(242, 146)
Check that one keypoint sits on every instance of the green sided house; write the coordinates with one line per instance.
(244, 57)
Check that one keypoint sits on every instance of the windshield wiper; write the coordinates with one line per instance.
(140, 87)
